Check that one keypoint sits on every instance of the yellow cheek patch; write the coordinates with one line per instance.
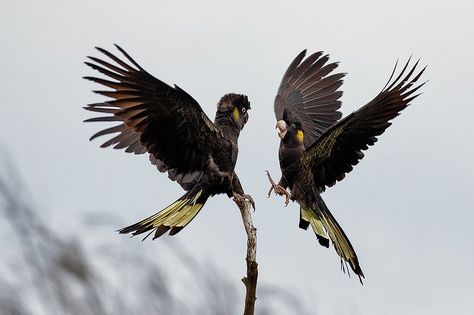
(300, 135)
(236, 114)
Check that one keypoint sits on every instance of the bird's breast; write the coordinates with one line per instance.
(290, 164)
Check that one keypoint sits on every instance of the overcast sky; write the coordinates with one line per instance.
(407, 207)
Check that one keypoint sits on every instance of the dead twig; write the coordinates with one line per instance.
(250, 280)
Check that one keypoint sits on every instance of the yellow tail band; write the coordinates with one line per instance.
(174, 217)
(315, 221)
(180, 213)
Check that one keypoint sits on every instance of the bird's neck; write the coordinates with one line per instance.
(292, 141)
(228, 126)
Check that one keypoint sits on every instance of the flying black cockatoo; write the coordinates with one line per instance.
(169, 125)
(317, 149)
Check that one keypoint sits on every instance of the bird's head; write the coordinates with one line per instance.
(237, 106)
(290, 128)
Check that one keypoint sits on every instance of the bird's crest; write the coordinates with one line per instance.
(231, 100)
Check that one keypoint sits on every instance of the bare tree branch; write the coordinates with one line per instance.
(250, 280)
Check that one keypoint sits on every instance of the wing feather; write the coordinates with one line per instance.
(340, 147)
(310, 92)
(154, 117)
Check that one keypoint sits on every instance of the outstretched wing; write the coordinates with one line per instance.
(310, 91)
(156, 118)
(340, 147)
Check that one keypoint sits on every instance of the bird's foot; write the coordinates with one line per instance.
(278, 189)
(273, 185)
(250, 199)
(241, 199)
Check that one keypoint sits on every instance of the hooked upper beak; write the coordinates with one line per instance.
(281, 125)
(242, 123)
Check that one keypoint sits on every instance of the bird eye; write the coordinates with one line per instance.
(243, 110)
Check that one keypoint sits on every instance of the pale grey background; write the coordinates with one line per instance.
(407, 207)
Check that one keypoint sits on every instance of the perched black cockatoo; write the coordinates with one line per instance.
(169, 125)
(317, 149)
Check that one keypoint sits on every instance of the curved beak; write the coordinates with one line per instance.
(243, 120)
(281, 125)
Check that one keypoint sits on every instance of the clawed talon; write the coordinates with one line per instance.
(240, 199)
(273, 185)
(249, 198)
(279, 190)
(282, 191)
(270, 191)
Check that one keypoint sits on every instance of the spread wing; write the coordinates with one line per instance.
(156, 118)
(310, 91)
(340, 147)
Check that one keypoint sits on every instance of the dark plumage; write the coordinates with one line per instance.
(317, 150)
(169, 125)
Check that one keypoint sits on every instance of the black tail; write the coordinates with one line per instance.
(321, 217)
(174, 217)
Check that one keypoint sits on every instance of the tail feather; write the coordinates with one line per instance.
(342, 245)
(308, 217)
(173, 218)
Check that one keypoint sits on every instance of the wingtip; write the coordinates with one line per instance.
(120, 49)
(89, 120)
(302, 54)
(100, 49)
(416, 63)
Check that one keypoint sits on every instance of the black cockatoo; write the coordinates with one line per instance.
(317, 149)
(169, 125)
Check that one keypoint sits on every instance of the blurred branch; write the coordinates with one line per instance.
(48, 273)
(25, 224)
(250, 280)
